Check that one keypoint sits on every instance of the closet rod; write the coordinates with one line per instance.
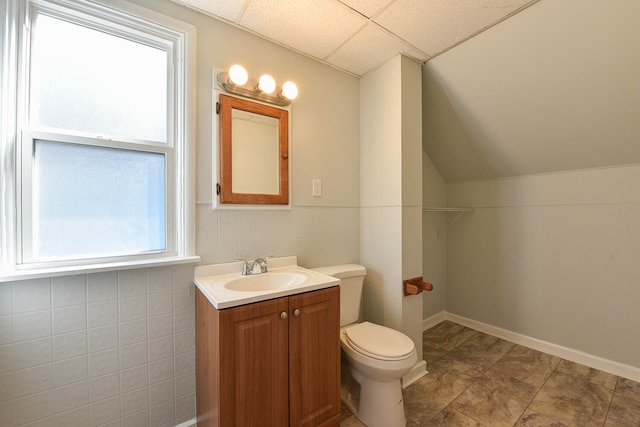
(447, 209)
(460, 211)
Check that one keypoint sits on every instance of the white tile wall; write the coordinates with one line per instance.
(69, 319)
(103, 362)
(103, 387)
(102, 313)
(104, 411)
(32, 295)
(102, 349)
(102, 338)
(35, 406)
(160, 414)
(161, 392)
(160, 326)
(140, 418)
(5, 299)
(32, 325)
(69, 345)
(102, 286)
(29, 381)
(68, 291)
(162, 348)
(118, 348)
(69, 371)
(317, 235)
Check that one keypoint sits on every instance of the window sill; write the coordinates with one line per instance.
(8, 276)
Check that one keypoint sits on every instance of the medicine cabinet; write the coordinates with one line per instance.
(251, 160)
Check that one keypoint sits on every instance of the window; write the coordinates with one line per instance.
(98, 154)
(96, 201)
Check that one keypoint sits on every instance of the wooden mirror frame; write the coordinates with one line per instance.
(227, 104)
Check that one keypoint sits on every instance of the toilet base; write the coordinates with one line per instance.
(349, 388)
(381, 403)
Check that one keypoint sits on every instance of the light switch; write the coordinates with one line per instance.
(317, 188)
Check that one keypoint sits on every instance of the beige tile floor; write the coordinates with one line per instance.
(476, 379)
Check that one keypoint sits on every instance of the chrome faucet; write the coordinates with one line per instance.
(248, 266)
(262, 262)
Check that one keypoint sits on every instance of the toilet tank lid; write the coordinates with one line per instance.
(342, 271)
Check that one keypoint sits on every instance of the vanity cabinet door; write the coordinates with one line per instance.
(314, 358)
(254, 365)
(274, 363)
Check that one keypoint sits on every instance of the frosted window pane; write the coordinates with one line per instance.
(94, 201)
(89, 81)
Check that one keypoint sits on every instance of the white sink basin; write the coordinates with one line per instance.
(225, 286)
(265, 282)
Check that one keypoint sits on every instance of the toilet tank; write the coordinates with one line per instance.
(351, 280)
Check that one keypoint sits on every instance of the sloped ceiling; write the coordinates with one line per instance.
(359, 35)
(553, 88)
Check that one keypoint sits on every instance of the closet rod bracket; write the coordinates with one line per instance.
(459, 211)
(415, 286)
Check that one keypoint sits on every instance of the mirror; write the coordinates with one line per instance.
(254, 153)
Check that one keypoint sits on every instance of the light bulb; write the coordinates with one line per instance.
(266, 84)
(290, 90)
(238, 75)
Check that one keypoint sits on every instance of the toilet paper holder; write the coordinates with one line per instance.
(415, 286)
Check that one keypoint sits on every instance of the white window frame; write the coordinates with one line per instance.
(17, 140)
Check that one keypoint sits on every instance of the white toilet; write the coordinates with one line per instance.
(377, 357)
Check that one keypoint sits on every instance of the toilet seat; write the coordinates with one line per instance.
(379, 342)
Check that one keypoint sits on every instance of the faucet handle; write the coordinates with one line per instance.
(246, 268)
(262, 262)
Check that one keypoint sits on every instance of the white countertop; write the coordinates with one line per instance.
(216, 280)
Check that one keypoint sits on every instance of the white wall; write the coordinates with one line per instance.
(391, 194)
(92, 350)
(381, 193)
(552, 88)
(434, 239)
(411, 87)
(553, 257)
(325, 145)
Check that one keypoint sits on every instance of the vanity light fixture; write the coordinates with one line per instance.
(266, 84)
(289, 90)
(238, 75)
(237, 81)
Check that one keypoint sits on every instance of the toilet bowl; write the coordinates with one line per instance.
(378, 368)
(376, 357)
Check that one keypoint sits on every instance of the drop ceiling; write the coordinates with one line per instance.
(359, 35)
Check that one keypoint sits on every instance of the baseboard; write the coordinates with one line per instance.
(190, 423)
(596, 362)
(432, 321)
(418, 371)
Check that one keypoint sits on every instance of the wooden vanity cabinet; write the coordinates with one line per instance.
(272, 363)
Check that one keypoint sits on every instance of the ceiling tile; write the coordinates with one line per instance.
(435, 25)
(369, 48)
(367, 7)
(343, 29)
(317, 27)
(227, 9)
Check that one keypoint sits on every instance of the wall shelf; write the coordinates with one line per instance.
(459, 211)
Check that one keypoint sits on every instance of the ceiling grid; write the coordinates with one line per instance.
(359, 35)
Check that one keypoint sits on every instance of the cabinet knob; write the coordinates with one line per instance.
(296, 312)
(283, 315)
